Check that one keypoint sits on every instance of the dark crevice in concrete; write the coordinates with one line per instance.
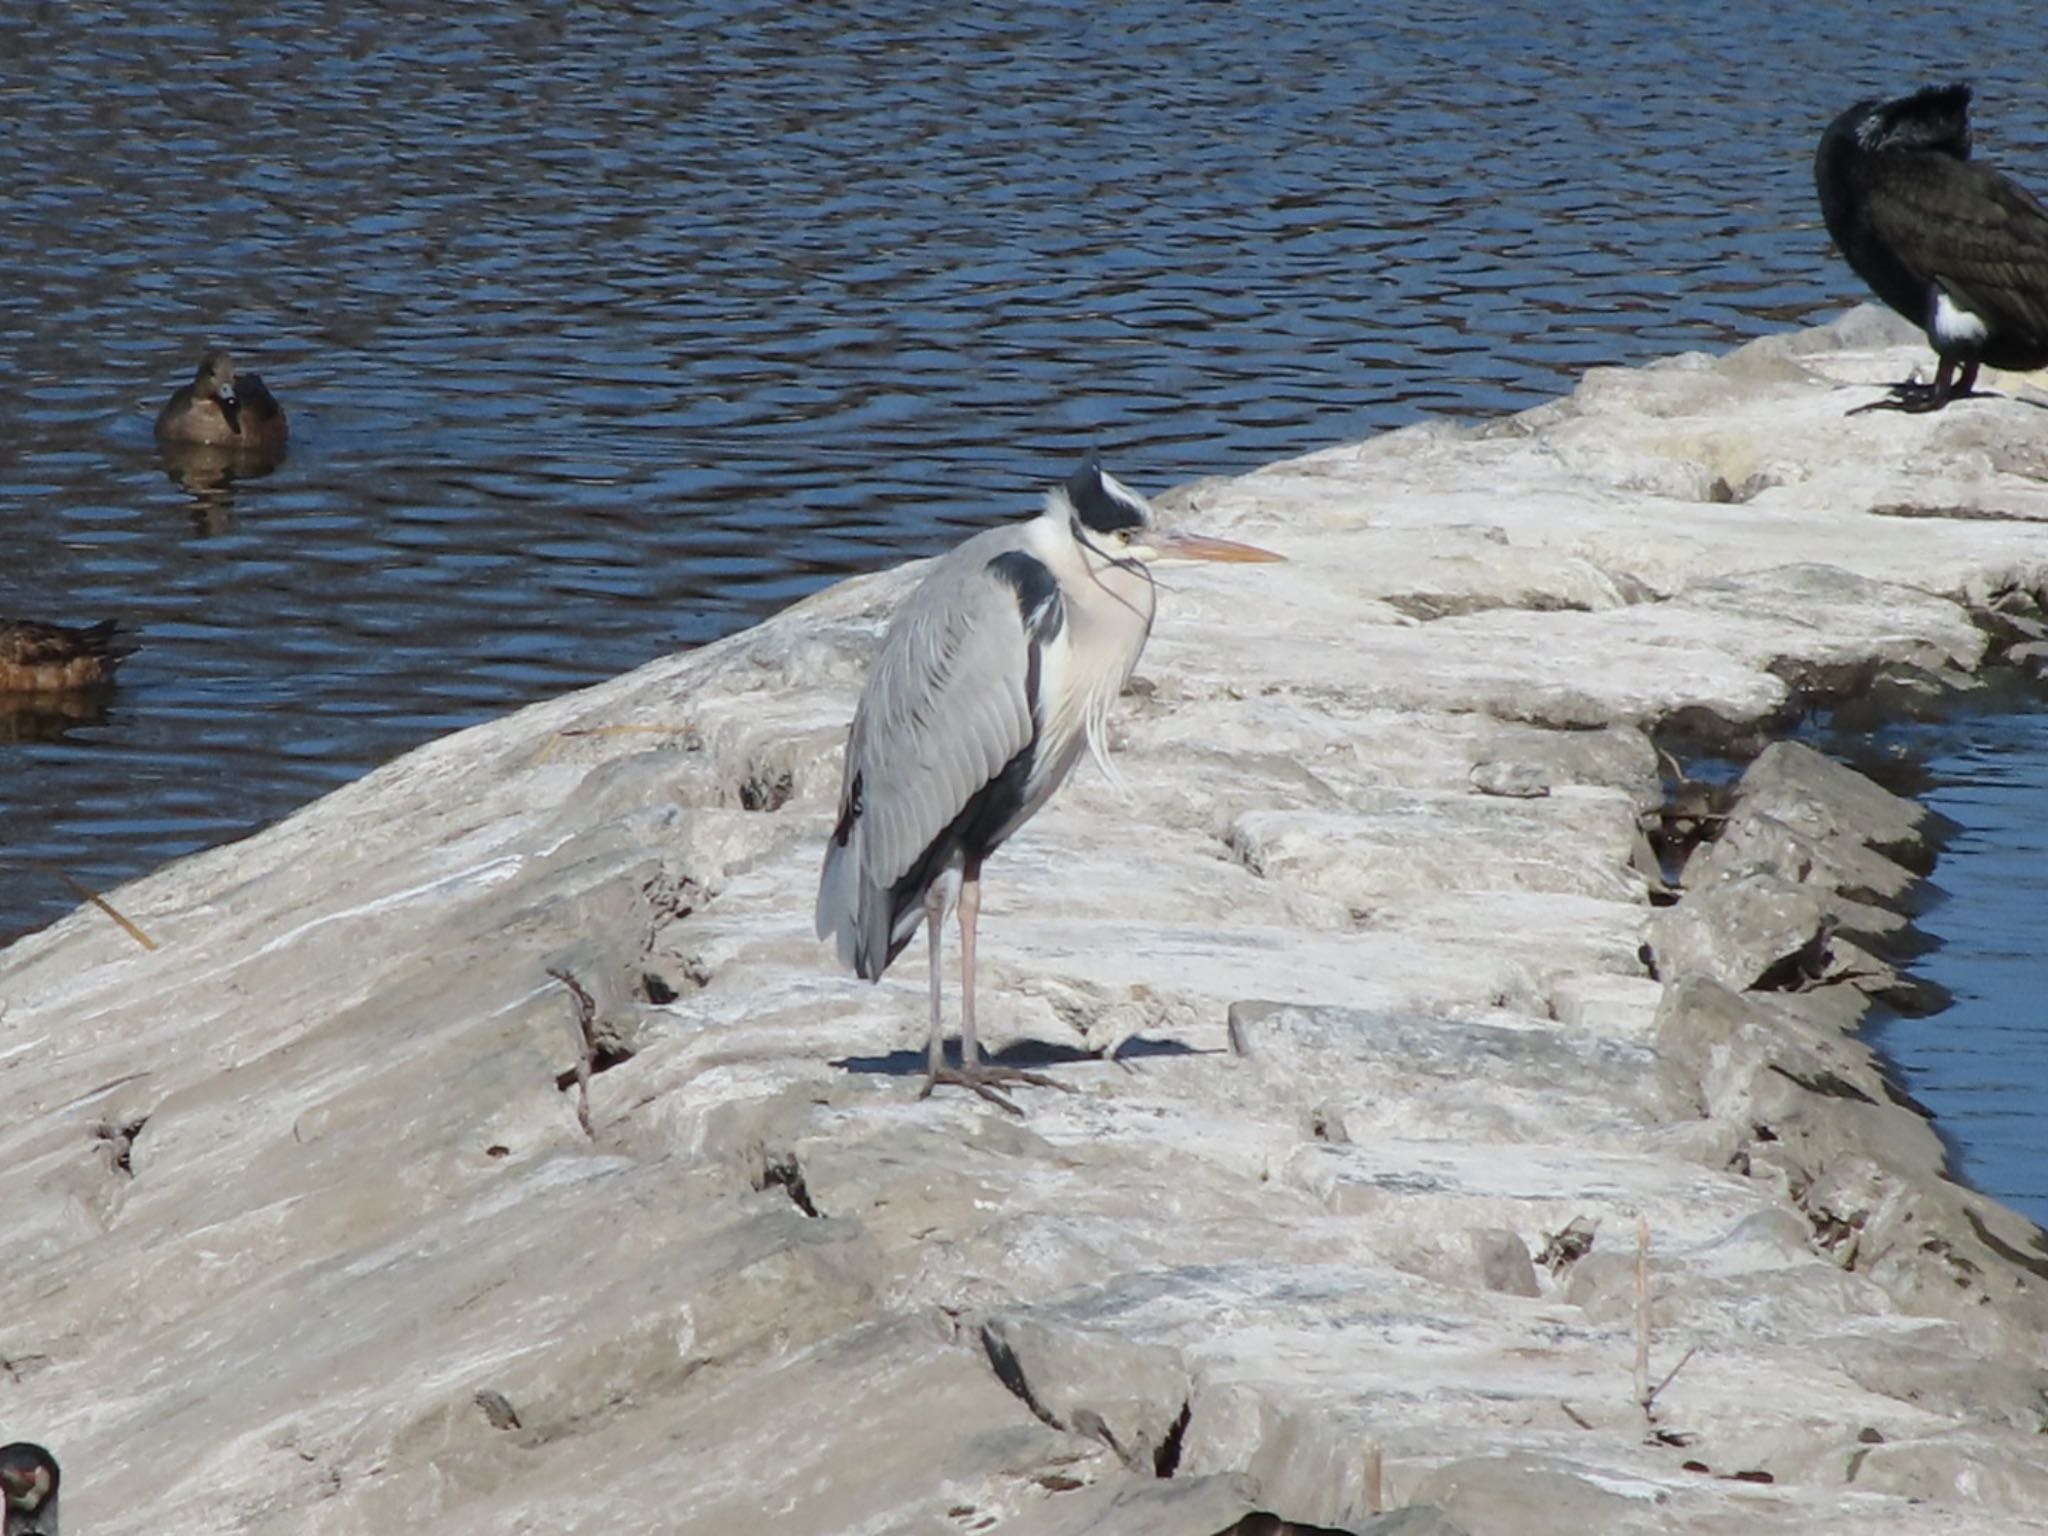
(1003, 1360)
(671, 898)
(1829, 1084)
(602, 1059)
(497, 1408)
(1887, 1076)
(1248, 858)
(763, 790)
(1694, 812)
(1802, 970)
(118, 1136)
(21, 1367)
(781, 1170)
(1166, 1460)
(1834, 1234)
(599, 1047)
(1694, 732)
(1262, 1522)
(1566, 1246)
(2034, 1263)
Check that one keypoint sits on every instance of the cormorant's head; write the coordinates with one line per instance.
(1936, 119)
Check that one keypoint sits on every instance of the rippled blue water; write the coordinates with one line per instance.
(606, 330)
(1981, 1064)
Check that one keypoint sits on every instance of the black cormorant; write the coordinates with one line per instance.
(1953, 245)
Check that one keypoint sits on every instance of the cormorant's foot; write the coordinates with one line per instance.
(983, 1080)
(1916, 398)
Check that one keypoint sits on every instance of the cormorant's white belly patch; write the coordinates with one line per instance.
(1955, 326)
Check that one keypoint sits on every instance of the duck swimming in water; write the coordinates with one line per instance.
(59, 658)
(1956, 247)
(28, 1486)
(222, 409)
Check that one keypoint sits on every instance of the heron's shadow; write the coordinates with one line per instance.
(1029, 1054)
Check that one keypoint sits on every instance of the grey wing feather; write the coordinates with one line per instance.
(945, 708)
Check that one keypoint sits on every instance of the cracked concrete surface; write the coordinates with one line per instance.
(1384, 1049)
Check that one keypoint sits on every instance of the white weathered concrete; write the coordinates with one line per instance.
(1372, 928)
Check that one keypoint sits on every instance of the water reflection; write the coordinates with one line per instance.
(207, 472)
(49, 717)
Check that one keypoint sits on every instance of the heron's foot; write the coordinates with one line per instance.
(1916, 398)
(983, 1079)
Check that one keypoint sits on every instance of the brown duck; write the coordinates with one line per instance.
(54, 658)
(222, 408)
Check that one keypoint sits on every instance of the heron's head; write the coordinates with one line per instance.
(1119, 524)
(215, 381)
(28, 1488)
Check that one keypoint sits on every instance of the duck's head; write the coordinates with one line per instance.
(215, 381)
(28, 1488)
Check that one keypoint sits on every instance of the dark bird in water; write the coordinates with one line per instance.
(222, 409)
(993, 677)
(28, 1483)
(57, 658)
(1953, 245)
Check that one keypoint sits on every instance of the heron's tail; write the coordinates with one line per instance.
(838, 914)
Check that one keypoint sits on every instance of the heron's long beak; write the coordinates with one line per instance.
(1198, 546)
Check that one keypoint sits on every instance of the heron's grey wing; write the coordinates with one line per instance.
(946, 707)
(1976, 232)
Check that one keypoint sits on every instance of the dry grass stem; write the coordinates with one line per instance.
(1669, 1376)
(1642, 1372)
(548, 747)
(85, 893)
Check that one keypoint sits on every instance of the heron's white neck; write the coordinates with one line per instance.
(1108, 606)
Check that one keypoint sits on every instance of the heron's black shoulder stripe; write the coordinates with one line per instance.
(849, 813)
(1100, 502)
(1038, 593)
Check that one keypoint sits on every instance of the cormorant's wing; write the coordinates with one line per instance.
(1976, 232)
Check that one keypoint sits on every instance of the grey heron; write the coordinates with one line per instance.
(996, 672)
(1954, 246)
(28, 1489)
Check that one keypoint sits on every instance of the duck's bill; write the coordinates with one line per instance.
(1198, 546)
